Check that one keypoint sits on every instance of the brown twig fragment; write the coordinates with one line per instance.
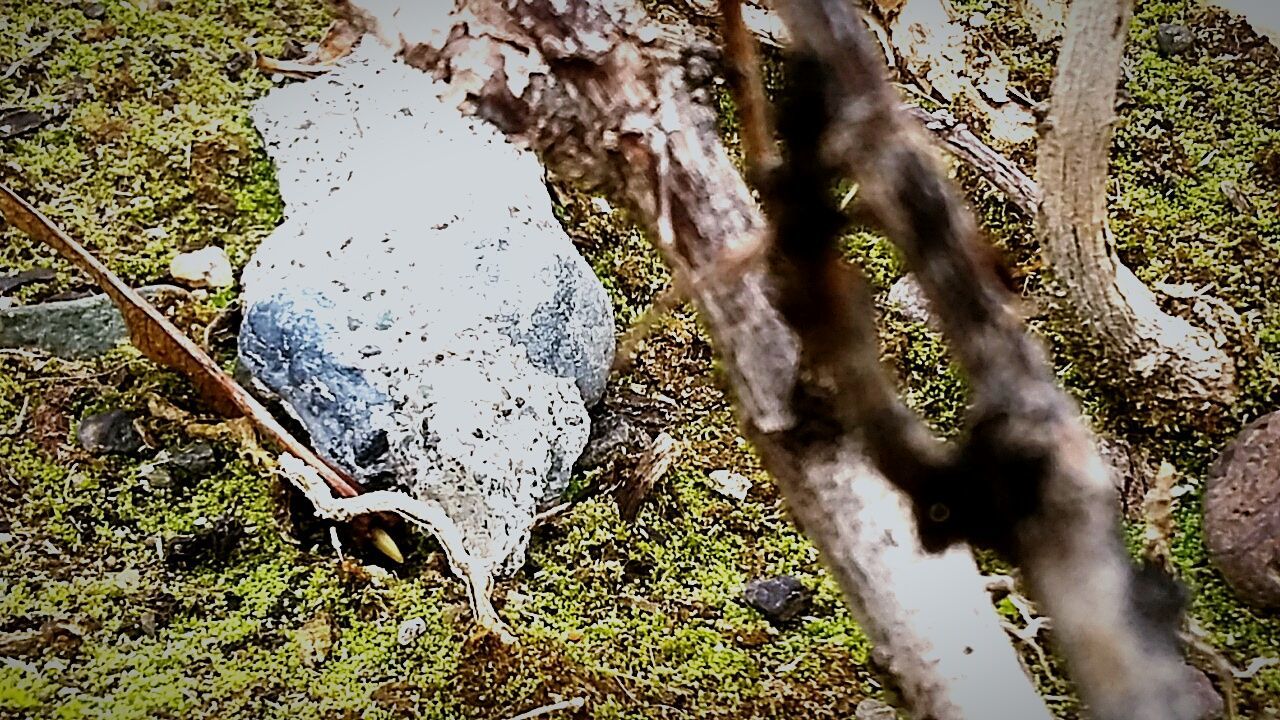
(158, 339)
(743, 70)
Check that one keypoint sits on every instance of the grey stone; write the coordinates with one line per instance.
(288, 344)
(17, 122)
(421, 312)
(110, 432)
(780, 599)
(1242, 512)
(194, 459)
(75, 329)
(613, 435)
(1174, 39)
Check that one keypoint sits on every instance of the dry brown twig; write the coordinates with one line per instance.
(163, 343)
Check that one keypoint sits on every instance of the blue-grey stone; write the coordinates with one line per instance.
(284, 344)
(77, 329)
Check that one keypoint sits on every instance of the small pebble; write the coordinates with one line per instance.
(94, 11)
(195, 459)
(206, 267)
(731, 484)
(111, 432)
(1173, 39)
(780, 599)
(411, 630)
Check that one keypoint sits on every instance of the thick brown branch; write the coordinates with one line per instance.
(1027, 460)
(581, 83)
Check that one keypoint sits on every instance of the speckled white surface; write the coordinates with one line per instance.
(420, 310)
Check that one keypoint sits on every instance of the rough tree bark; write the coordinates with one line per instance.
(605, 101)
(1178, 361)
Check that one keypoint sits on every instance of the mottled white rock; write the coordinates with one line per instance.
(421, 311)
(908, 298)
(730, 484)
(207, 267)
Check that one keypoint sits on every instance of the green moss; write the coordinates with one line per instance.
(158, 155)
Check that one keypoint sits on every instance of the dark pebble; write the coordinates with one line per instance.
(94, 11)
(212, 545)
(111, 432)
(18, 122)
(198, 458)
(9, 283)
(1174, 39)
(780, 599)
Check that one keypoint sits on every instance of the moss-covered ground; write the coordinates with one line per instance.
(149, 151)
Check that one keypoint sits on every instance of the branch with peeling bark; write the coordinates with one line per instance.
(605, 102)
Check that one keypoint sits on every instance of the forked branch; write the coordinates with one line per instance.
(1026, 478)
(604, 100)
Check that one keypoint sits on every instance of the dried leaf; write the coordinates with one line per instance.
(1255, 666)
(315, 640)
(657, 459)
(337, 43)
(341, 36)
(158, 339)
